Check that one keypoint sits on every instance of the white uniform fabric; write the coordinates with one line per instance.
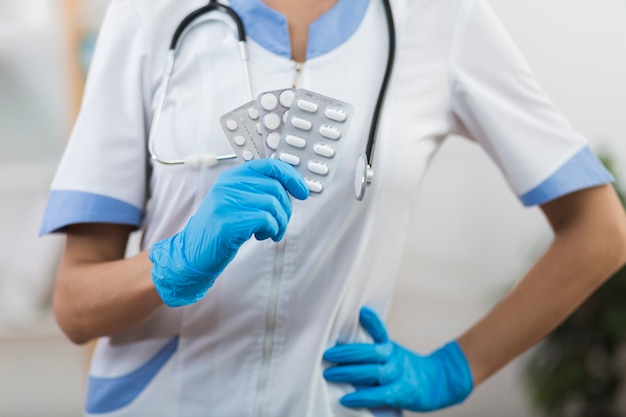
(253, 345)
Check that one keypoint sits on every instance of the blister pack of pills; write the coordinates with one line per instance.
(243, 130)
(313, 134)
(274, 108)
(300, 127)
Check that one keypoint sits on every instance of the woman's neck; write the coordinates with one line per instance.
(300, 14)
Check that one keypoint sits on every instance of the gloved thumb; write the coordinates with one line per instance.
(373, 324)
(287, 175)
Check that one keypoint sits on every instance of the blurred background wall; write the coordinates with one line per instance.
(470, 239)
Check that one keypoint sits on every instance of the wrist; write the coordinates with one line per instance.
(177, 282)
(457, 372)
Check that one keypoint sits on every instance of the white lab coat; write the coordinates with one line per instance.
(253, 345)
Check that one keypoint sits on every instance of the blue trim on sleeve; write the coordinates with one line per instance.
(73, 207)
(583, 170)
(105, 395)
(269, 28)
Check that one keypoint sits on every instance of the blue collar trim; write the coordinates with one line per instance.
(269, 28)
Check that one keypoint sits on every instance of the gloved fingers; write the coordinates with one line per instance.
(355, 353)
(287, 175)
(267, 233)
(235, 202)
(271, 205)
(365, 375)
(244, 224)
(266, 225)
(243, 191)
(381, 396)
(372, 323)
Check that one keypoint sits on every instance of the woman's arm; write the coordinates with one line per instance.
(97, 292)
(588, 247)
(590, 244)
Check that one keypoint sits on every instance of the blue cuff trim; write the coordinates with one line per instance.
(583, 170)
(73, 207)
(269, 28)
(105, 395)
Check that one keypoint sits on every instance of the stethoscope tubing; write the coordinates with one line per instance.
(184, 27)
(365, 161)
(391, 54)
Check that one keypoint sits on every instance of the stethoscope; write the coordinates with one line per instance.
(364, 172)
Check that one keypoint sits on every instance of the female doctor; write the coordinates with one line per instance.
(252, 297)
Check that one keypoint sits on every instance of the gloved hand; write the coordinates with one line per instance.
(250, 199)
(388, 375)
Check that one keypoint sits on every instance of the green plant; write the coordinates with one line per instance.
(576, 371)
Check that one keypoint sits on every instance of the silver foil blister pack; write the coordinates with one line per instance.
(300, 127)
(315, 129)
(243, 130)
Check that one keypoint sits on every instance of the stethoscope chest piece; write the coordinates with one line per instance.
(363, 175)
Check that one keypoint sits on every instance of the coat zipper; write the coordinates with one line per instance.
(270, 327)
(272, 306)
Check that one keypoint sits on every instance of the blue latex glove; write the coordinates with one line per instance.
(250, 199)
(388, 375)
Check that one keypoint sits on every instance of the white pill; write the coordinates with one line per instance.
(273, 140)
(318, 167)
(285, 116)
(324, 150)
(231, 124)
(314, 186)
(253, 113)
(286, 98)
(258, 129)
(239, 140)
(269, 101)
(335, 114)
(271, 121)
(307, 106)
(247, 155)
(300, 123)
(330, 132)
(289, 158)
(296, 141)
